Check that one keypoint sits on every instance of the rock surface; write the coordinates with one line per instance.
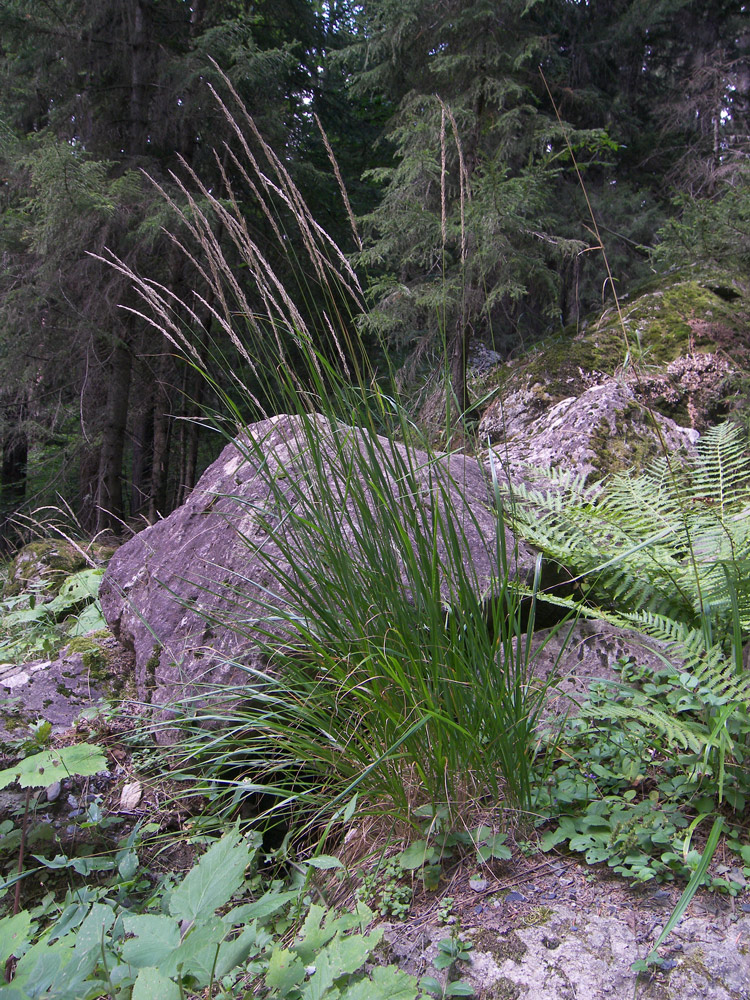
(604, 429)
(188, 593)
(575, 655)
(59, 689)
(566, 953)
(578, 401)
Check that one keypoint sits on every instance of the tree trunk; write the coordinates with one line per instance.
(109, 501)
(12, 476)
(160, 457)
(143, 443)
(138, 73)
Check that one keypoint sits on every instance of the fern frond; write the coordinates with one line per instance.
(678, 732)
(673, 540)
(705, 669)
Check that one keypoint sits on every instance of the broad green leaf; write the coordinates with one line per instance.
(81, 586)
(90, 619)
(553, 837)
(152, 985)
(285, 970)
(431, 985)
(71, 917)
(264, 907)
(42, 769)
(213, 881)
(156, 938)
(12, 993)
(233, 953)
(14, 932)
(342, 957)
(41, 966)
(314, 936)
(128, 865)
(459, 990)
(198, 951)
(94, 928)
(324, 862)
(386, 983)
(418, 854)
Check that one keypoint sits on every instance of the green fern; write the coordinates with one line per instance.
(677, 732)
(705, 667)
(674, 540)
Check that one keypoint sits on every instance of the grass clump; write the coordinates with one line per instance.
(399, 657)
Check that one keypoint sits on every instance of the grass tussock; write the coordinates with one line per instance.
(399, 661)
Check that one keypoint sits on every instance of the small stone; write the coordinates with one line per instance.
(737, 875)
(53, 791)
(478, 884)
(131, 795)
(515, 897)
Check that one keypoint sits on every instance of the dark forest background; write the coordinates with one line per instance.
(456, 158)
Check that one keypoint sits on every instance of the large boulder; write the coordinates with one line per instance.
(190, 594)
(613, 393)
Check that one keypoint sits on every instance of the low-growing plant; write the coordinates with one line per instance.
(199, 933)
(630, 797)
(32, 626)
(39, 770)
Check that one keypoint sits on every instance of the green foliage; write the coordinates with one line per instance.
(389, 884)
(42, 769)
(674, 540)
(193, 937)
(711, 230)
(450, 951)
(629, 795)
(31, 626)
(326, 959)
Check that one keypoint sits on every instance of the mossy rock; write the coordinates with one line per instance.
(676, 314)
(47, 563)
(670, 316)
(96, 650)
(686, 313)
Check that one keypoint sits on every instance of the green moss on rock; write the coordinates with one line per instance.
(678, 314)
(46, 561)
(95, 657)
(670, 316)
(505, 989)
(501, 946)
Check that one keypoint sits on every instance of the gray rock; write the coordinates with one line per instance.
(53, 791)
(573, 656)
(58, 689)
(576, 955)
(189, 593)
(602, 430)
